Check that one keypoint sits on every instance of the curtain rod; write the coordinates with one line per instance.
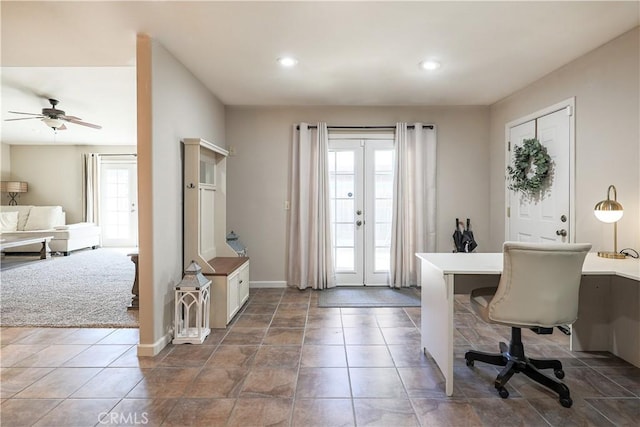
(363, 127)
(115, 154)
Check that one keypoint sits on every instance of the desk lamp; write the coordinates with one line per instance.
(610, 211)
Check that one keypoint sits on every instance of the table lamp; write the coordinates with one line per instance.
(13, 188)
(610, 211)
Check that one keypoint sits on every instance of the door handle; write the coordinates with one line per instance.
(562, 232)
(359, 223)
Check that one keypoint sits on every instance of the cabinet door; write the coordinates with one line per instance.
(232, 295)
(244, 284)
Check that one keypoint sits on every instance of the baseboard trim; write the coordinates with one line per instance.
(268, 284)
(150, 350)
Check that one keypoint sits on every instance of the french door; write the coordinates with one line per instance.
(119, 203)
(361, 181)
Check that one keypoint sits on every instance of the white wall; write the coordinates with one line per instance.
(181, 106)
(55, 174)
(258, 171)
(605, 83)
(5, 162)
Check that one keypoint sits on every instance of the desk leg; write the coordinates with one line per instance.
(608, 317)
(592, 330)
(44, 254)
(437, 319)
(625, 319)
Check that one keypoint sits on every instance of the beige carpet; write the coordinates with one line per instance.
(89, 288)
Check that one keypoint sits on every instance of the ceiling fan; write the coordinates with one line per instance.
(54, 118)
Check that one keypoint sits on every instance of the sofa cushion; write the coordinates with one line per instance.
(43, 218)
(8, 221)
(75, 231)
(75, 226)
(23, 213)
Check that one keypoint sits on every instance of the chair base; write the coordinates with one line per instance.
(514, 361)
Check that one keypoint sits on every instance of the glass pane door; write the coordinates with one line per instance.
(118, 204)
(378, 209)
(346, 193)
(361, 180)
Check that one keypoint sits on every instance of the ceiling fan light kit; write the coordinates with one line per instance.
(52, 123)
(54, 118)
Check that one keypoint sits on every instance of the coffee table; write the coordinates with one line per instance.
(12, 242)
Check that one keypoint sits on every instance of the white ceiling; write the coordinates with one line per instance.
(350, 53)
(101, 95)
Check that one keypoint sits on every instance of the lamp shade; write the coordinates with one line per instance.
(52, 123)
(13, 187)
(609, 210)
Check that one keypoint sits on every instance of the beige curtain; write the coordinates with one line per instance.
(91, 186)
(310, 262)
(414, 202)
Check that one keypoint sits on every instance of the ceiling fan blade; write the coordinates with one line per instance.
(69, 118)
(23, 118)
(78, 122)
(63, 127)
(30, 114)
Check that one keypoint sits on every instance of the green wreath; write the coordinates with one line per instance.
(529, 158)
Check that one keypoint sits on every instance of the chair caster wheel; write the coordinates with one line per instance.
(559, 373)
(503, 392)
(469, 362)
(566, 402)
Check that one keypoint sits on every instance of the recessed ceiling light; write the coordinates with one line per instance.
(430, 65)
(287, 61)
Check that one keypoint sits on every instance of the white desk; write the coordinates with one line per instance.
(609, 308)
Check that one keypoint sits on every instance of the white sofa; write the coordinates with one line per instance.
(40, 221)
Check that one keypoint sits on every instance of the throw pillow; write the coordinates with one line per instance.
(8, 221)
(23, 214)
(43, 218)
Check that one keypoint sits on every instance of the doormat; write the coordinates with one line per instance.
(369, 297)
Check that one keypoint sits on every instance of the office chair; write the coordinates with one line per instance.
(538, 288)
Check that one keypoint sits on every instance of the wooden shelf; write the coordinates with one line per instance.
(225, 265)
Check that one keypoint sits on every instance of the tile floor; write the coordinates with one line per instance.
(284, 361)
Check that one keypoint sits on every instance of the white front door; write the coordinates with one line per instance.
(547, 218)
(119, 203)
(361, 181)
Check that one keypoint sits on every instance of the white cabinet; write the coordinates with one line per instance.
(230, 289)
(204, 172)
(205, 220)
